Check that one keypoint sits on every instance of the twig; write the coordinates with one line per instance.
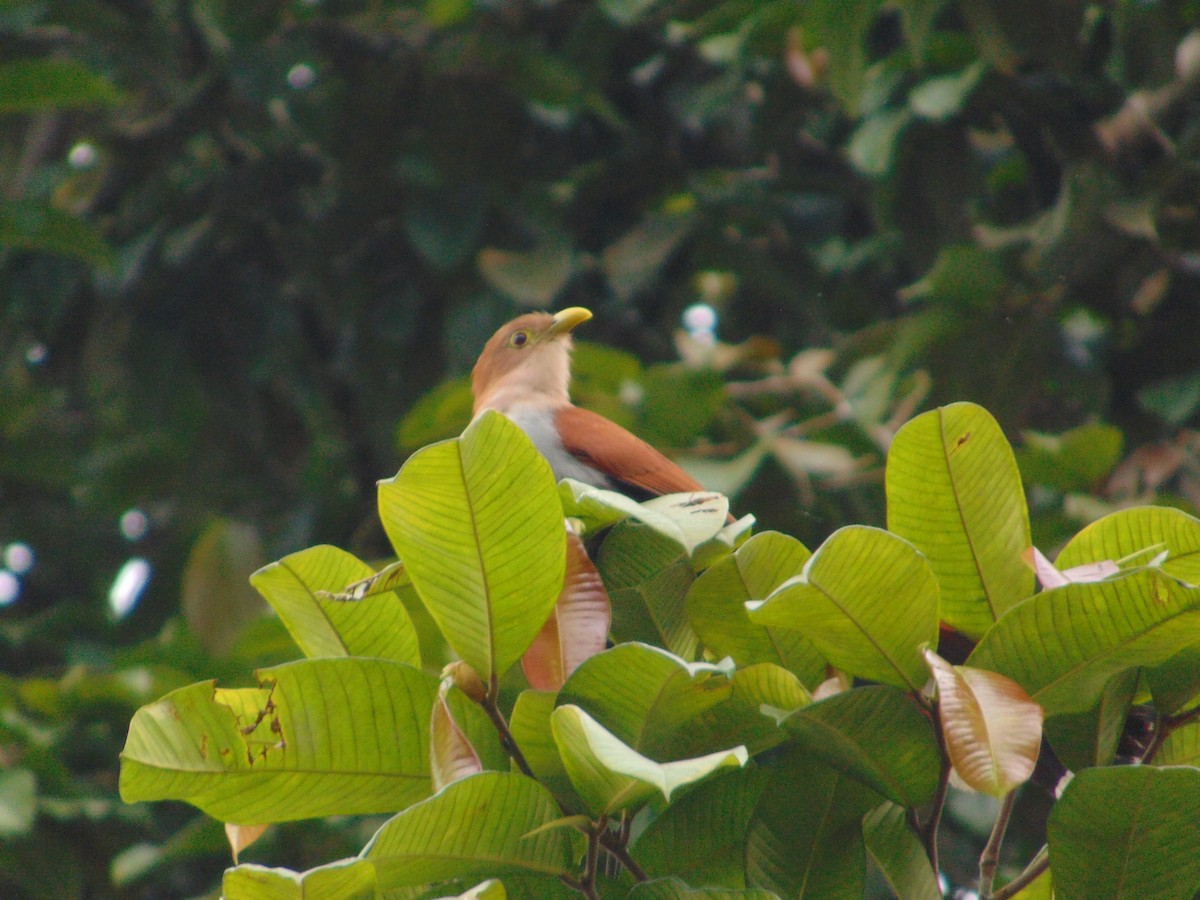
(990, 858)
(507, 741)
(1037, 865)
(617, 848)
(929, 835)
(1167, 725)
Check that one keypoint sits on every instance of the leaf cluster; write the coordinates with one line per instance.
(766, 721)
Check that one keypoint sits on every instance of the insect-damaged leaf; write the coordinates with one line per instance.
(320, 737)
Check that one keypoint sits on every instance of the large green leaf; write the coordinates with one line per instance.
(319, 737)
(612, 777)
(33, 225)
(1090, 738)
(867, 600)
(876, 735)
(1181, 747)
(1142, 533)
(691, 520)
(485, 826)
(954, 491)
(674, 889)
(703, 834)
(648, 575)
(895, 849)
(1064, 645)
(1127, 831)
(297, 587)
(530, 727)
(716, 607)
(748, 715)
(645, 695)
(33, 84)
(347, 879)
(479, 526)
(805, 838)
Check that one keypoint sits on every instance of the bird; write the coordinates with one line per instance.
(524, 372)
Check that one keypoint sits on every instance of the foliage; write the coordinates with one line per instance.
(642, 755)
(249, 251)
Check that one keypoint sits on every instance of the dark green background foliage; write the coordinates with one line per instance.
(239, 240)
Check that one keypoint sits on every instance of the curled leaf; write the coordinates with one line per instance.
(993, 731)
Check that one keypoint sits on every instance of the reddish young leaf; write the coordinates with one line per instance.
(993, 731)
(242, 836)
(576, 630)
(451, 755)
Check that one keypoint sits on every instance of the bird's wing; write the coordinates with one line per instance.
(606, 446)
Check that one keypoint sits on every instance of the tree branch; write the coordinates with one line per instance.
(1037, 865)
(990, 859)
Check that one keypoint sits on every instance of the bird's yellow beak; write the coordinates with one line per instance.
(565, 320)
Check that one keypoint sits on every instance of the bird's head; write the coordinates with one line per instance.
(527, 361)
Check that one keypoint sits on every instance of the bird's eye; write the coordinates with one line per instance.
(519, 338)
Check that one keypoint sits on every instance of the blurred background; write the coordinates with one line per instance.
(249, 249)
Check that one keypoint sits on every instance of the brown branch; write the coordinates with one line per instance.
(930, 834)
(989, 860)
(507, 741)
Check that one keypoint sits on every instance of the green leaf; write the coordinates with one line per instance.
(872, 146)
(954, 491)
(533, 278)
(963, 277)
(841, 27)
(747, 716)
(1181, 747)
(320, 737)
(675, 889)
(347, 879)
(530, 727)
(944, 96)
(690, 519)
(1076, 460)
(1090, 738)
(805, 839)
(479, 827)
(612, 777)
(992, 730)
(899, 855)
(31, 225)
(1064, 645)
(648, 574)
(704, 832)
(1127, 831)
(634, 260)
(876, 735)
(1176, 682)
(1140, 533)
(867, 600)
(217, 601)
(716, 607)
(18, 801)
(647, 696)
(479, 526)
(377, 626)
(28, 85)
(440, 414)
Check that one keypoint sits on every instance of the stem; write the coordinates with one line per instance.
(1037, 865)
(587, 884)
(620, 852)
(507, 741)
(990, 859)
(1165, 726)
(930, 834)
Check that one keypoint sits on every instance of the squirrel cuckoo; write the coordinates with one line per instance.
(524, 372)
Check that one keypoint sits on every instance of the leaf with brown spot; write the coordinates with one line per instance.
(577, 628)
(993, 731)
